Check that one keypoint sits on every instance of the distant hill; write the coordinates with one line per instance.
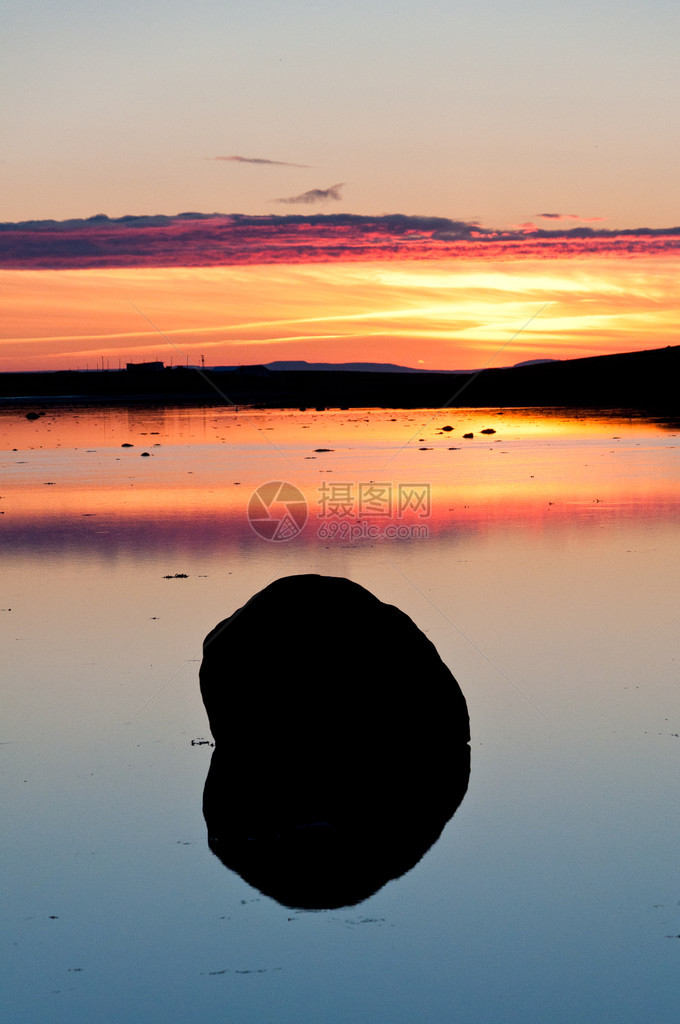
(280, 365)
(301, 365)
(644, 381)
(535, 362)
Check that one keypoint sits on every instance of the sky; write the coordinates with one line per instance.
(516, 141)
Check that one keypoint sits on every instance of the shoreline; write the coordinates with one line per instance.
(645, 381)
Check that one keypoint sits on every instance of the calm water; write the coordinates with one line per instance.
(543, 562)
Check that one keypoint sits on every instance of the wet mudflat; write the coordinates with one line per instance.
(541, 560)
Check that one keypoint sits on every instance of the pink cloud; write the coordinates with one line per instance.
(195, 239)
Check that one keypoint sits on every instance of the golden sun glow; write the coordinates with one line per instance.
(452, 316)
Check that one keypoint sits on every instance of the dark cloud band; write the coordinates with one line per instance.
(199, 239)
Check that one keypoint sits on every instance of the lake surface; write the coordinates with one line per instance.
(543, 562)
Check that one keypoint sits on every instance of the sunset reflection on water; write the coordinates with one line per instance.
(193, 470)
(542, 563)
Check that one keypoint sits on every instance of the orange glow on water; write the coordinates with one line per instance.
(533, 471)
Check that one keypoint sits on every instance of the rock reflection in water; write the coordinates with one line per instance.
(341, 742)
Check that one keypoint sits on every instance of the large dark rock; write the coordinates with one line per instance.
(341, 741)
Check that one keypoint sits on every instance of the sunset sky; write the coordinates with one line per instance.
(531, 151)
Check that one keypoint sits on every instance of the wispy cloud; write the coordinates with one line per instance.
(570, 216)
(315, 195)
(255, 160)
